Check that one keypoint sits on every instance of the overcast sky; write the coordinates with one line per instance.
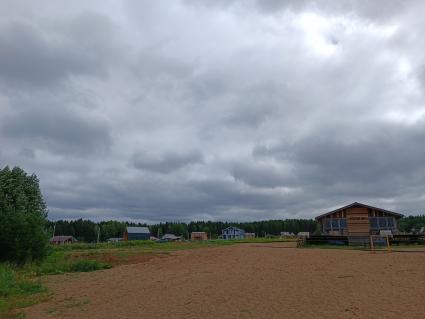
(218, 110)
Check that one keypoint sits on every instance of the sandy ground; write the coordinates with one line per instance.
(246, 281)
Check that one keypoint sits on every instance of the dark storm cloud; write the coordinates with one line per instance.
(234, 110)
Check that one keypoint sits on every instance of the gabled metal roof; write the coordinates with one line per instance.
(138, 230)
(356, 204)
(61, 238)
(236, 228)
(170, 236)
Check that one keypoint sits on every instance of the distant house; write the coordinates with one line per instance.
(249, 235)
(61, 240)
(137, 233)
(358, 219)
(171, 237)
(198, 235)
(286, 234)
(232, 233)
(303, 234)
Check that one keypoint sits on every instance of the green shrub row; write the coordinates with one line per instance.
(16, 288)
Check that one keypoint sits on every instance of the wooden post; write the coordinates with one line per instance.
(388, 244)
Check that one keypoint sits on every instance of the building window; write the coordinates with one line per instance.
(335, 224)
(378, 223)
(373, 222)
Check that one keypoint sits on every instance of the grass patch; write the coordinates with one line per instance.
(60, 262)
(85, 265)
(152, 245)
(18, 290)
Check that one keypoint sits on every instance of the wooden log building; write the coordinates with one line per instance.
(358, 219)
(198, 235)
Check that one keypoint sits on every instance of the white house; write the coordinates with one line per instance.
(232, 233)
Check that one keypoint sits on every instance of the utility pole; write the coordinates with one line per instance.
(98, 233)
(54, 229)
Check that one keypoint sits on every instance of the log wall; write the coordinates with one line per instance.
(358, 221)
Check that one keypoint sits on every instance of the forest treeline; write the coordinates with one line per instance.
(411, 223)
(87, 230)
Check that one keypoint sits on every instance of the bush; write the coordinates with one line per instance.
(13, 284)
(16, 289)
(85, 265)
(7, 280)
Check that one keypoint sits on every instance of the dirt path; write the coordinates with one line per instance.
(246, 281)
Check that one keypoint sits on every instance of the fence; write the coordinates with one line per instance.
(368, 241)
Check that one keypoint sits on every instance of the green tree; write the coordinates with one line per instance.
(23, 217)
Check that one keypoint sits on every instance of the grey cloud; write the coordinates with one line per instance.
(57, 130)
(383, 158)
(234, 110)
(40, 56)
(380, 10)
(166, 162)
(28, 152)
(262, 175)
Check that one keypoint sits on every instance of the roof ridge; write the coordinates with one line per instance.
(360, 204)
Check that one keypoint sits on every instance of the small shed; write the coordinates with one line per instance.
(61, 240)
(198, 235)
(286, 234)
(249, 235)
(137, 233)
(303, 234)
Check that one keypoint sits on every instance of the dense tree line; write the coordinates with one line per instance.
(411, 223)
(260, 228)
(23, 217)
(86, 230)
